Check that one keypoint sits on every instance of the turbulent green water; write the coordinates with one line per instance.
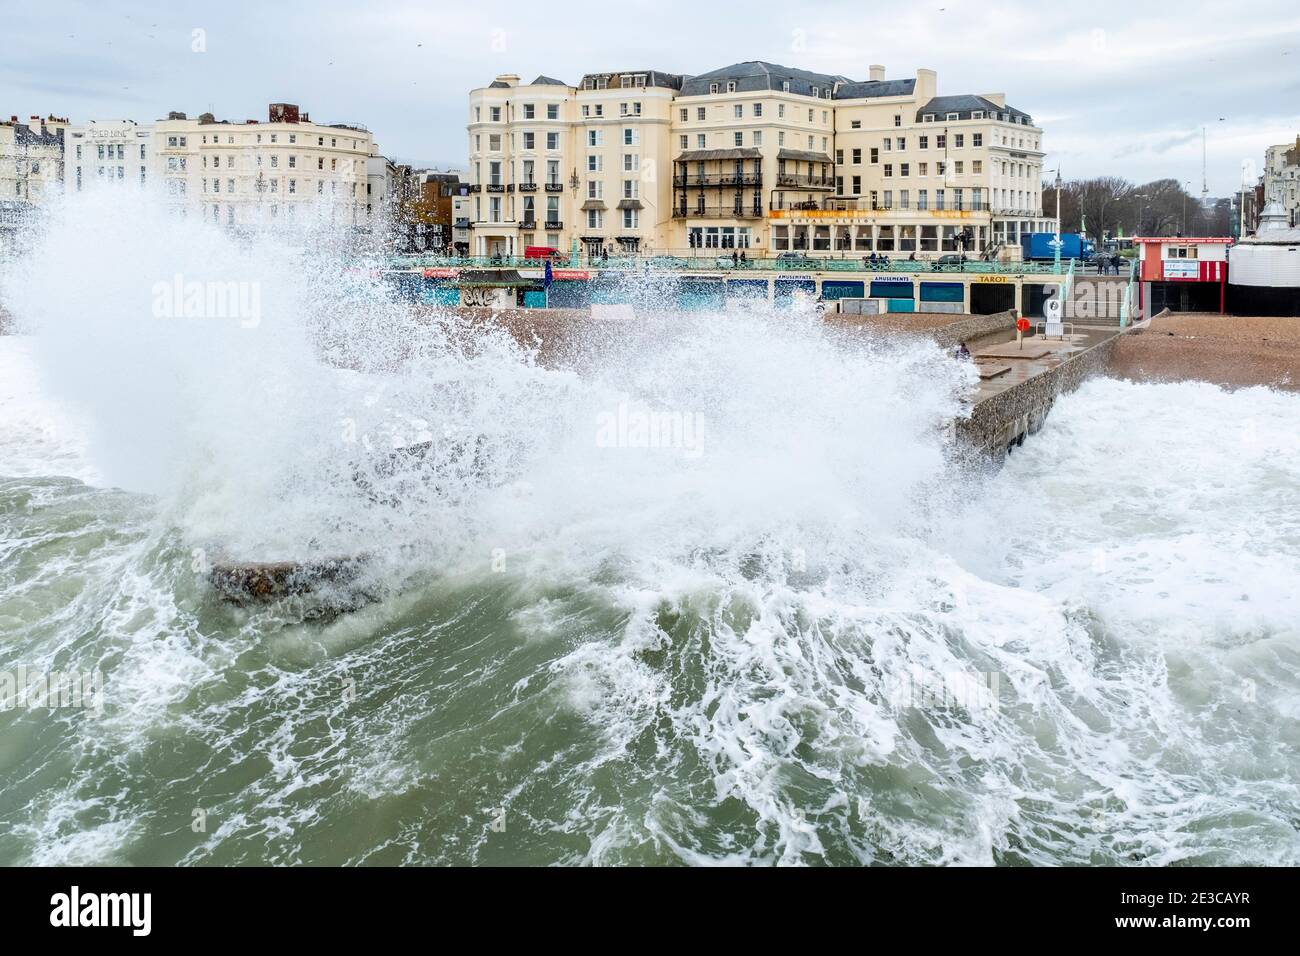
(804, 634)
(734, 714)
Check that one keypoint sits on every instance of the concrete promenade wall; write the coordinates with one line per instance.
(976, 329)
(1007, 417)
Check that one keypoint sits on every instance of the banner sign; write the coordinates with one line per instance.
(1182, 269)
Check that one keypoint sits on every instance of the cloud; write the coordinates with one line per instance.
(1120, 88)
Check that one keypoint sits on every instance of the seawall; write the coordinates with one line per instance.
(1004, 419)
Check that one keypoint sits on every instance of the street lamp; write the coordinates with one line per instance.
(1056, 267)
(1141, 211)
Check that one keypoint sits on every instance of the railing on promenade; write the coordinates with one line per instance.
(722, 261)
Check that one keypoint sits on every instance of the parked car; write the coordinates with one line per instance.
(953, 262)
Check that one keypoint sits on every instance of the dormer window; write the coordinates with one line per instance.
(785, 86)
(978, 114)
(928, 118)
(814, 91)
(713, 87)
(731, 86)
(952, 116)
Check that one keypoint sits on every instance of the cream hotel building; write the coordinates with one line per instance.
(752, 156)
(234, 173)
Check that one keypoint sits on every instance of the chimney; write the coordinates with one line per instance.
(927, 85)
(877, 72)
(509, 79)
(997, 99)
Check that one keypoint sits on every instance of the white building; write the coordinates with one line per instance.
(381, 174)
(31, 159)
(1282, 179)
(107, 150)
(256, 172)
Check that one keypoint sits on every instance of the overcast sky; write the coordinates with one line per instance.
(1121, 87)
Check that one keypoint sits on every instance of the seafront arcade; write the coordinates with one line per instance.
(974, 287)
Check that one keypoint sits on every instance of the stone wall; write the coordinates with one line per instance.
(1002, 419)
(975, 329)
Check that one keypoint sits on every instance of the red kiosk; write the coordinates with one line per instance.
(1183, 274)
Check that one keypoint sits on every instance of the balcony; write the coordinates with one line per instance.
(462, 223)
(528, 187)
(728, 179)
(555, 186)
(528, 224)
(866, 205)
(475, 188)
(742, 211)
(554, 225)
(496, 187)
(789, 181)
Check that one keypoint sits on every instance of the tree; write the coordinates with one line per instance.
(1101, 202)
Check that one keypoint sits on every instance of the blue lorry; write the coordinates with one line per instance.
(1037, 246)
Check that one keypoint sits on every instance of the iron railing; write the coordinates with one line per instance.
(719, 179)
(792, 181)
(709, 260)
(742, 211)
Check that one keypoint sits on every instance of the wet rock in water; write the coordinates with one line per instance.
(264, 581)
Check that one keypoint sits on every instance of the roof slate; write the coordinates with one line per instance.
(966, 103)
(754, 75)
